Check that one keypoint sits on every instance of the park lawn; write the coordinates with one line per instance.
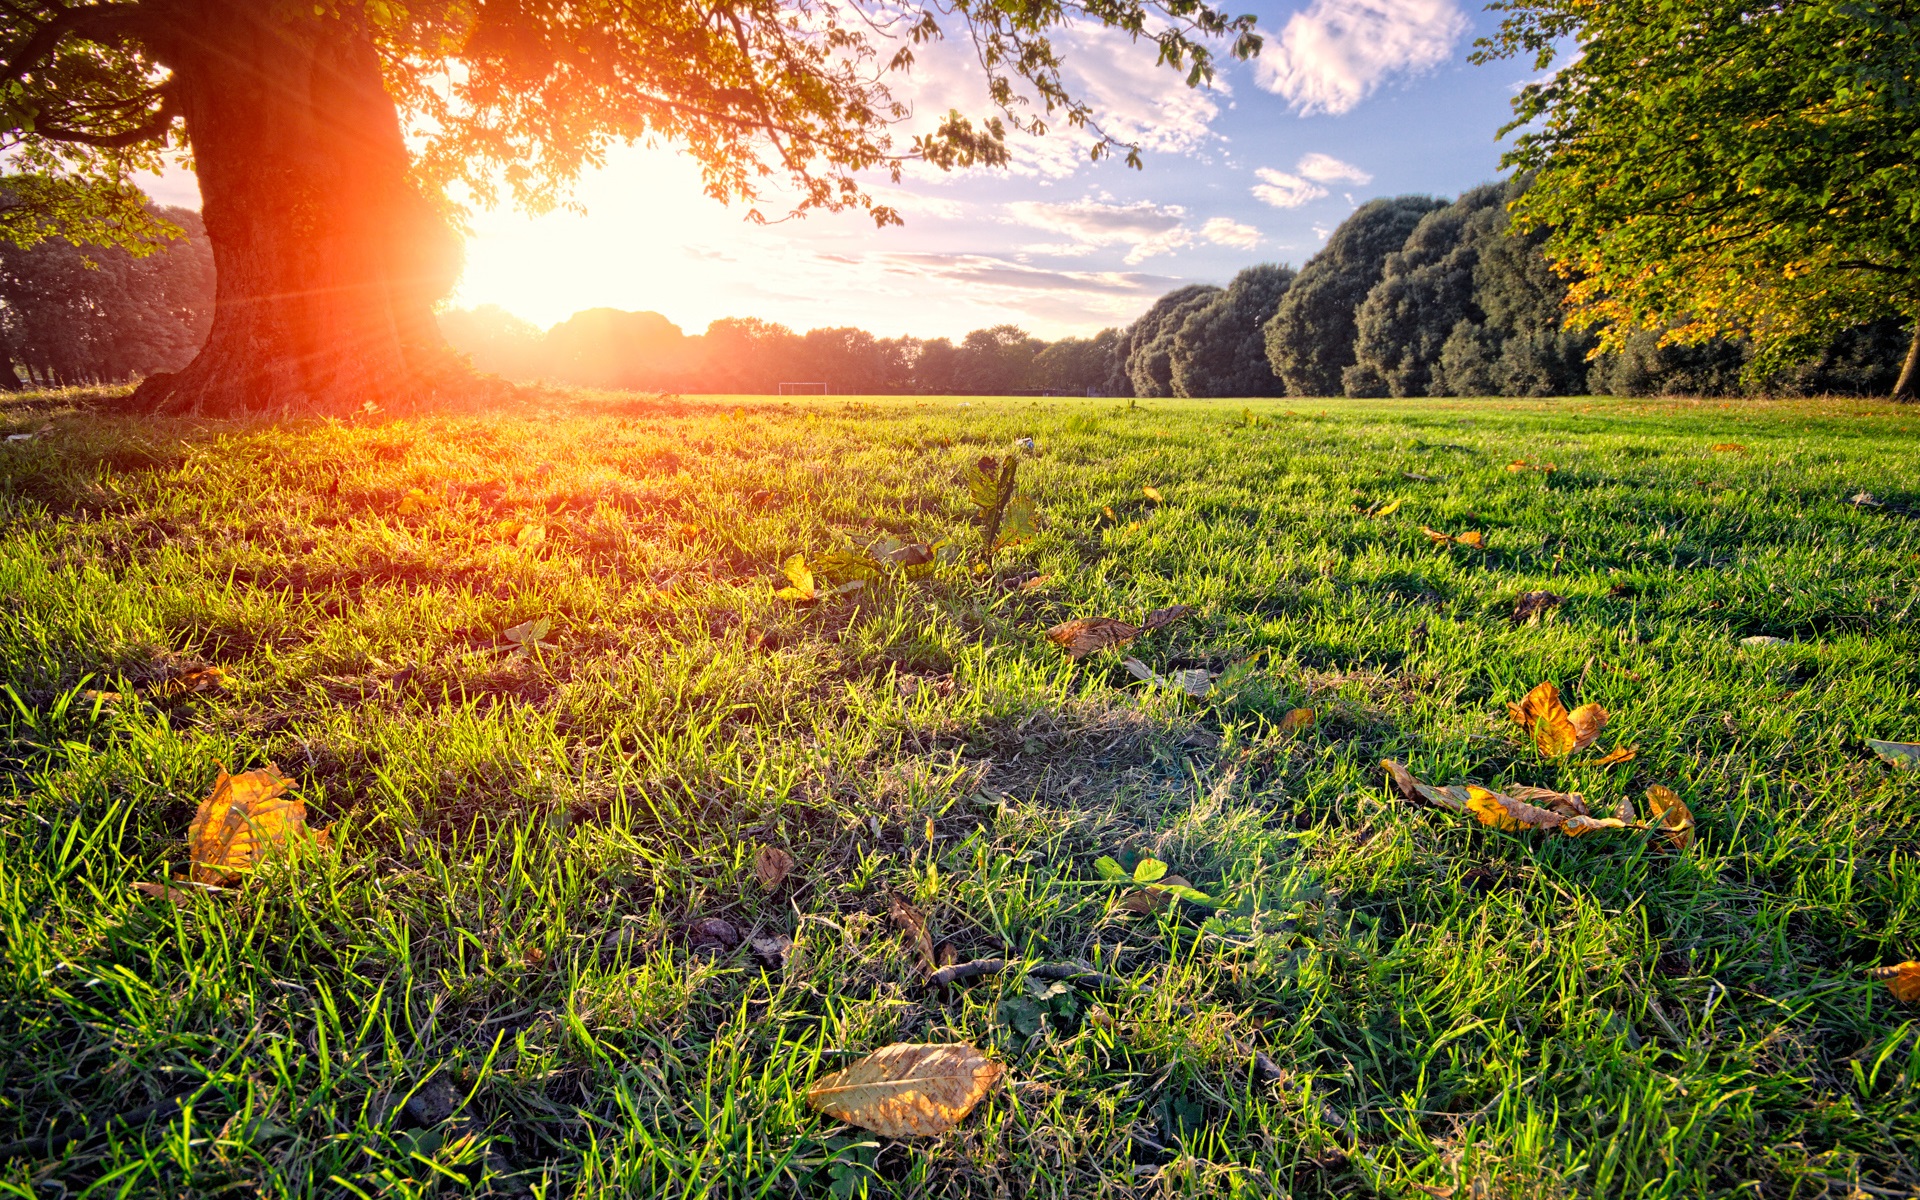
(523, 840)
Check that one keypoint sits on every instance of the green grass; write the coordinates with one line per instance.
(523, 841)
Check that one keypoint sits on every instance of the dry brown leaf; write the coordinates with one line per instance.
(184, 893)
(246, 819)
(1567, 804)
(1152, 900)
(1505, 812)
(1903, 980)
(772, 866)
(1623, 811)
(1160, 618)
(1436, 537)
(1085, 635)
(191, 681)
(1575, 826)
(1296, 720)
(1532, 606)
(908, 1089)
(1453, 799)
(1556, 731)
(1619, 754)
(1670, 812)
(913, 923)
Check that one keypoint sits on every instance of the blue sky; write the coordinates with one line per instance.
(1350, 99)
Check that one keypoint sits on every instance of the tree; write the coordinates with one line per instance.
(1220, 349)
(995, 362)
(1310, 338)
(330, 230)
(1150, 339)
(1082, 366)
(1725, 168)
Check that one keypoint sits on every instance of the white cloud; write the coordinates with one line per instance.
(1147, 228)
(1285, 191)
(1225, 231)
(1325, 168)
(1333, 55)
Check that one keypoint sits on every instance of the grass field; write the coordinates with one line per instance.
(505, 974)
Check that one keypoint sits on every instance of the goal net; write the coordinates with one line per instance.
(803, 389)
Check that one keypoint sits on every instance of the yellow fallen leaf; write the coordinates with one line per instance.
(1153, 494)
(1388, 509)
(1619, 754)
(1505, 812)
(1903, 980)
(1296, 720)
(1453, 799)
(1728, 448)
(1575, 826)
(800, 585)
(1567, 804)
(771, 866)
(1085, 635)
(1671, 814)
(908, 1089)
(1518, 464)
(1531, 607)
(530, 535)
(1436, 537)
(246, 819)
(1556, 731)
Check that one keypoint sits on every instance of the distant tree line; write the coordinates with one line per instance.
(1410, 296)
(73, 315)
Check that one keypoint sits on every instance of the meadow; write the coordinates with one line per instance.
(540, 954)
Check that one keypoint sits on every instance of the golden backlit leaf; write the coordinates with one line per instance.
(800, 584)
(908, 1089)
(1084, 635)
(1518, 464)
(983, 483)
(1296, 720)
(1619, 754)
(1900, 754)
(1153, 494)
(913, 923)
(1436, 537)
(245, 820)
(1160, 618)
(1018, 523)
(1508, 813)
(771, 866)
(1453, 799)
(1671, 814)
(1903, 980)
(1387, 509)
(1473, 539)
(1554, 730)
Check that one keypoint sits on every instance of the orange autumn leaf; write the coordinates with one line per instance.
(1556, 731)
(1671, 816)
(1084, 635)
(1473, 539)
(908, 1088)
(244, 821)
(1508, 813)
(1296, 720)
(1619, 754)
(1903, 980)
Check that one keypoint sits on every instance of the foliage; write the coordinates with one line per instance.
(1310, 340)
(1220, 349)
(1724, 169)
(1094, 366)
(1150, 340)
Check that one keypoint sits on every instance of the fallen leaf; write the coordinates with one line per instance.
(243, 821)
(1085, 635)
(1153, 494)
(909, 554)
(1027, 585)
(1518, 464)
(1567, 804)
(1532, 606)
(1619, 754)
(95, 696)
(1671, 814)
(1160, 618)
(1296, 720)
(1453, 799)
(772, 951)
(712, 934)
(1727, 448)
(908, 1089)
(1436, 537)
(771, 866)
(1866, 500)
(1900, 754)
(913, 923)
(1473, 539)
(1762, 639)
(1556, 731)
(183, 893)
(1508, 813)
(530, 635)
(1418, 478)
(1196, 682)
(189, 682)
(1387, 509)
(1575, 826)
(687, 532)
(800, 584)
(1623, 811)
(1155, 897)
(1903, 980)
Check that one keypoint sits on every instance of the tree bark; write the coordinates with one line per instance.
(328, 259)
(1907, 388)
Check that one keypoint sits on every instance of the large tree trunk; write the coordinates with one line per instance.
(328, 259)
(1907, 388)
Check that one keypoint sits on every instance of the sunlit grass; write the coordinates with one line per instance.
(524, 837)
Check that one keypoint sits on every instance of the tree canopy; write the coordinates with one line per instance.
(1727, 168)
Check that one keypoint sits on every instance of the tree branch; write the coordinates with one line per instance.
(154, 126)
(86, 20)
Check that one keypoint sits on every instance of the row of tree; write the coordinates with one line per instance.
(1410, 296)
(73, 315)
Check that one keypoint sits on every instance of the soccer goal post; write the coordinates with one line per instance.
(803, 389)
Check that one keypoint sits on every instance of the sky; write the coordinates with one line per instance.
(1350, 99)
